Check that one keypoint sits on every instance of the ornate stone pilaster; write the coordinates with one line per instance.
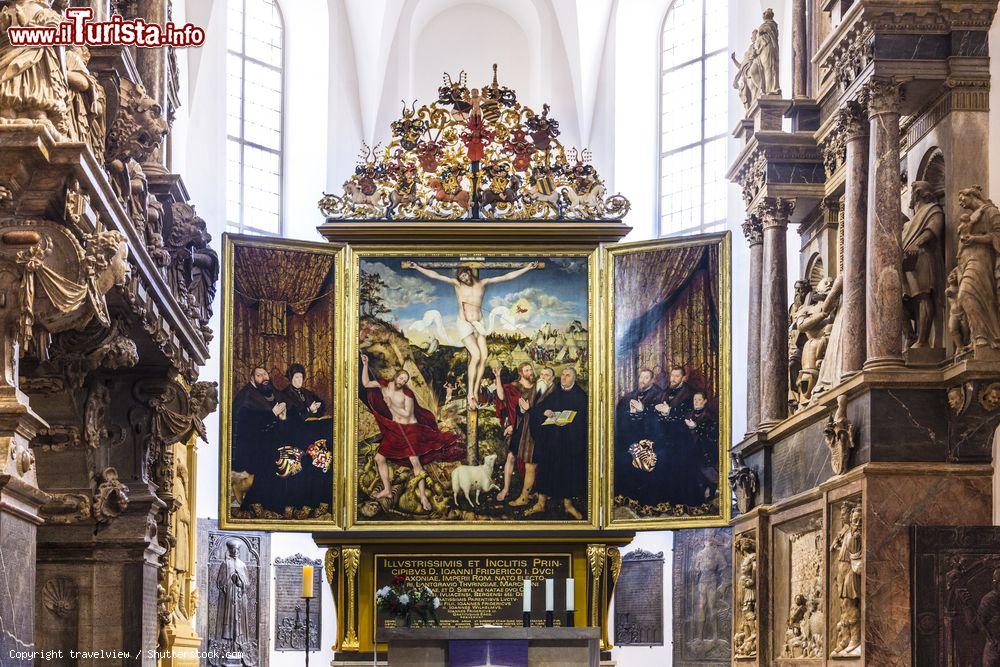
(773, 213)
(884, 314)
(754, 232)
(854, 124)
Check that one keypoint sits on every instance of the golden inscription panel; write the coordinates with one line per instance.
(481, 589)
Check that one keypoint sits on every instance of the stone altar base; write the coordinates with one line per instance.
(547, 647)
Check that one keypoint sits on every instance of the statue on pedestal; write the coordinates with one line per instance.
(972, 289)
(765, 47)
(922, 265)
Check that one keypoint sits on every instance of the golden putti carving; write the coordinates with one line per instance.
(474, 154)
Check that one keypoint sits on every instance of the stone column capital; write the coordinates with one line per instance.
(774, 211)
(753, 230)
(852, 121)
(883, 96)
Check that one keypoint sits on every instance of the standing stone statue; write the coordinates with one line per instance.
(232, 582)
(814, 322)
(33, 85)
(766, 49)
(847, 556)
(922, 264)
(974, 289)
(748, 74)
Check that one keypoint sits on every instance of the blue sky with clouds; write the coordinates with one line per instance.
(556, 294)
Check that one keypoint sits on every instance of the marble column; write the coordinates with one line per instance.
(800, 50)
(854, 124)
(754, 232)
(773, 213)
(152, 66)
(884, 313)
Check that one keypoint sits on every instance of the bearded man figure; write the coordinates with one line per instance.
(259, 416)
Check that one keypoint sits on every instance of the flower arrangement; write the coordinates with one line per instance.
(406, 602)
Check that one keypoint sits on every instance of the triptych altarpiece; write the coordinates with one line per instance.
(473, 348)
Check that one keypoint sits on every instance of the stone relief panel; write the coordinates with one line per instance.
(846, 554)
(746, 626)
(703, 582)
(956, 588)
(234, 590)
(798, 622)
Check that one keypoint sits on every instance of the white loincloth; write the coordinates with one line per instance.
(466, 328)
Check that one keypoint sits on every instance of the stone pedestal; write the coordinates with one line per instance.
(19, 504)
(547, 647)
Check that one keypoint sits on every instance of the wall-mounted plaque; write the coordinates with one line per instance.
(481, 589)
(639, 600)
(234, 589)
(956, 589)
(290, 607)
(703, 581)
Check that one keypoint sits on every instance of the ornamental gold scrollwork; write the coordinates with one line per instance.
(477, 154)
(352, 558)
(596, 556)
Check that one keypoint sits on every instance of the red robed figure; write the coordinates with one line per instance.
(423, 439)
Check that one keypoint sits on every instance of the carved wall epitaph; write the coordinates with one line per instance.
(639, 600)
(703, 581)
(289, 606)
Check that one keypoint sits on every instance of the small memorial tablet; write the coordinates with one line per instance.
(290, 607)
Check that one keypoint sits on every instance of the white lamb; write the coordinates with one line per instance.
(466, 478)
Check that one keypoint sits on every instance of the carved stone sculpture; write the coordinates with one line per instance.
(744, 483)
(846, 553)
(137, 131)
(33, 84)
(748, 74)
(765, 48)
(233, 620)
(804, 628)
(52, 283)
(745, 630)
(972, 293)
(839, 437)
(813, 324)
(87, 102)
(922, 264)
(111, 498)
(194, 265)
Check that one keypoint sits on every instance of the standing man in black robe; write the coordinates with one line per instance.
(636, 420)
(258, 419)
(560, 447)
(682, 461)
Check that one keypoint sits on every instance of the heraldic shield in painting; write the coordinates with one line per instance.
(278, 410)
(474, 388)
(668, 381)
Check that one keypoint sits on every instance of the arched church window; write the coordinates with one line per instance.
(254, 73)
(693, 116)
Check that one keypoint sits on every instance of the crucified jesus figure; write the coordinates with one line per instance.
(470, 292)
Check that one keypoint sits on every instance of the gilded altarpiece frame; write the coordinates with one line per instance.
(508, 304)
(666, 348)
(287, 326)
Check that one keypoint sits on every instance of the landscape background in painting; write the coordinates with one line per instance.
(407, 321)
(282, 313)
(667, 312)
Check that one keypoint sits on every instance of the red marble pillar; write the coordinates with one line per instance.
(754, 232)
(800, 50)
(884, 313)
(854, 123)
(773, 214)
